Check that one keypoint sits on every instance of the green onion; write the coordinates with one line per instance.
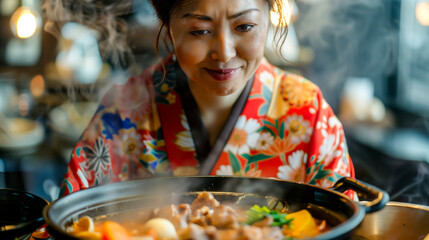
(257, 213)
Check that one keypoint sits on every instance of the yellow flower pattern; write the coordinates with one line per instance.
(294, 91)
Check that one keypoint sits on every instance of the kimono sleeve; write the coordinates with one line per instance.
(111, 146)
(76, 177)
(329, 158)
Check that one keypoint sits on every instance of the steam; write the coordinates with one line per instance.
(359, 38)
(351, 38)
(104, 17)
(418, 190)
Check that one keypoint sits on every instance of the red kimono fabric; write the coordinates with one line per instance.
(281, 127)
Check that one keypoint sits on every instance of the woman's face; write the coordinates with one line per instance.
(220, 43)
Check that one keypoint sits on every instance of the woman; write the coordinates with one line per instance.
(214, 106)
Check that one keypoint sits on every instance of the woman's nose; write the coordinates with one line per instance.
(223, 48)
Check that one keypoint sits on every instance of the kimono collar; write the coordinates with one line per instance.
(206, 154)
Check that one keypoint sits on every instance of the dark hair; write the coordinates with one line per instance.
(165, 8)
(105, 17)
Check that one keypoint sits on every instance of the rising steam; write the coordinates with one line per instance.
(351, 38)
(102, 16)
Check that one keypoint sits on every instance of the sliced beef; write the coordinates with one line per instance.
(265, 222)
(224, 217)
(196, 232)
(201, 216)
(272, 233)
(204, 199)
(178, 215)
(206, 219)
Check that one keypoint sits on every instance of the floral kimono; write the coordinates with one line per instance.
(280, 126)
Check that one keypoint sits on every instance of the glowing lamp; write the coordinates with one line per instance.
(25, 22)
(422, 13)
(275, 16)
(290, 50)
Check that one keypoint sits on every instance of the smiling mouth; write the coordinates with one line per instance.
(222, 74)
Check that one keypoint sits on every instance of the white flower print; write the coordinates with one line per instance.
(265, 140)
(268, 79)
(342, 167)
(334, 122)
(325, 183)
(82, 177)
(295, 171)
(244, 136)
(184, 139)
(128, 144)
(329, 149)
(299, 129)
(325, 104)
(225, 170)
(322, 126)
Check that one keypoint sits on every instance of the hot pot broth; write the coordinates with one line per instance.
(212, 215)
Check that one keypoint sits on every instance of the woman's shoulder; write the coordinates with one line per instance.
(160, 63)
(286, 81)
(291, 93)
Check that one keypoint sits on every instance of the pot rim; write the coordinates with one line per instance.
(343, 228)
(408, 205)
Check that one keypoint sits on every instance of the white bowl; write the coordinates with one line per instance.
(69, 120)
(22, 133)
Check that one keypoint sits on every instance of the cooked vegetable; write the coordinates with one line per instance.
(84, 228)
(89, 235)
(113, 231)
(302, 225)
(256, 213)
(160, 228)
(84, 224)
(204, 218)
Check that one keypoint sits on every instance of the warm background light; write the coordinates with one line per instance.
(23, 104)
(422, 13)
(24, 22)
(26, 25)
(37, 86)
(275, 17)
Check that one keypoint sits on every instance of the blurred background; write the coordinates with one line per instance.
(369, 57)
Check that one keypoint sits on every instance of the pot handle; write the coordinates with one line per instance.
(373, 198)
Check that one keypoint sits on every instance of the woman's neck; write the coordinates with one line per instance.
(214, 109)
(211, 102)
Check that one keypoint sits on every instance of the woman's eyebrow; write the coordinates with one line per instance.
(242, 13)
(207, 18)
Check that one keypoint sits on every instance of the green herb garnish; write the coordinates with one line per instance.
(257, 213)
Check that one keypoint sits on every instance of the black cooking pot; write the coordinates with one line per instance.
(20, 213)
(124, 197)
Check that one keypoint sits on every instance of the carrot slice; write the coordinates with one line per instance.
(113, 231)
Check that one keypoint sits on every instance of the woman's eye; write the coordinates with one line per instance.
(200, 32)
(244, 27)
